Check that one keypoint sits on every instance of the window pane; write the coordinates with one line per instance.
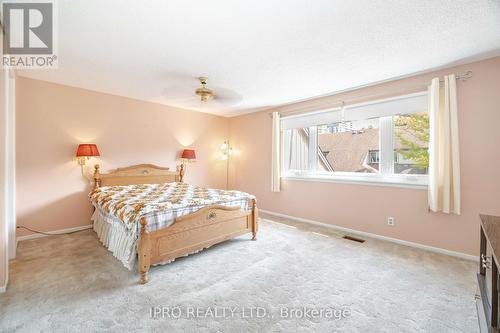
(411, 143)
(296, 149)
(350, 146)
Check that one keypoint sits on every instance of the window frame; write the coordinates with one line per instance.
(386, 176)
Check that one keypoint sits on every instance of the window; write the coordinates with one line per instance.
(353, 146)
(381, 141)
(374, 156)
(411, 143)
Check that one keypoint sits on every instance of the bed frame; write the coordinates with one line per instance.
(190, 233)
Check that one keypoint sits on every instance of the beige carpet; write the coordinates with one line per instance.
(71, 283)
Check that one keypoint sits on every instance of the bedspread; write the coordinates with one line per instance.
(130, 203)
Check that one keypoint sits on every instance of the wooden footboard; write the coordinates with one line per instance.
(189, 234)
(192, 233)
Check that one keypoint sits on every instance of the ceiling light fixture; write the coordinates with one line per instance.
(204, 92)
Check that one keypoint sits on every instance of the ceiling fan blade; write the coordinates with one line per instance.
(182, 94)
(227, 96)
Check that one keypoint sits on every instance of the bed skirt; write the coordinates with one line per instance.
(120, 241)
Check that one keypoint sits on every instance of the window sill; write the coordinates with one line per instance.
(418, 182)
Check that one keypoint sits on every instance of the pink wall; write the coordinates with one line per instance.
(53, 119)
(365, 208)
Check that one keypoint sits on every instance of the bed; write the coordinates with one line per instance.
(146, 212)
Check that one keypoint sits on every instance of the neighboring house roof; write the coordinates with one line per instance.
(347, 151)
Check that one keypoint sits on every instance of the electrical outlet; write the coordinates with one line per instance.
(390, 221)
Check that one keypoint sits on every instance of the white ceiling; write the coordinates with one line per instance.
(259, 54)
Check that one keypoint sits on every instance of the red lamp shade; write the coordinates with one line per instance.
(87, 149)
(188, 154)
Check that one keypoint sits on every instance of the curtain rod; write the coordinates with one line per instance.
(462, 77)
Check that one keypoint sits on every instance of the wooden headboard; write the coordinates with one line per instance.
(136, 174)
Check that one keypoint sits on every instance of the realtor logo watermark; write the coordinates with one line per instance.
(29, 38)
(249, 312)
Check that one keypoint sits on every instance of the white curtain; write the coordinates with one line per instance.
(276, 151)
(444, 159)
(295, 149)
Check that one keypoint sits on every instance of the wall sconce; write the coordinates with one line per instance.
(84, 152)
(227, 151)
(188, 155)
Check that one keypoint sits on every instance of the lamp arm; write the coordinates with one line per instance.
(86, 176)
(97, 176)
(182, 171)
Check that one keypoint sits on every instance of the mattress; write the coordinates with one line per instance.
(118, 210)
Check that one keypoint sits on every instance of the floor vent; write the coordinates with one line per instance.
(354, 239)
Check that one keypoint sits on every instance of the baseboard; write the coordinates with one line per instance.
(55, 232)
(370, 235)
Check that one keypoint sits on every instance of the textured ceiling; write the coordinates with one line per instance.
(259, 54)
